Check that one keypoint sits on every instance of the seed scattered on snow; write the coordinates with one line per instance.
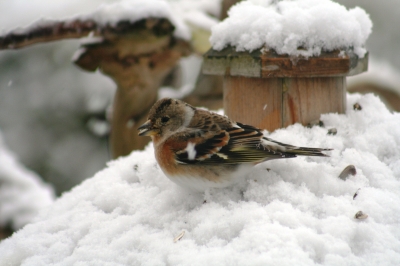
(360, 215)
(356, 194)
(315, 123)
(357, 107)
(179, 237)
(349, 170)
(332, 131)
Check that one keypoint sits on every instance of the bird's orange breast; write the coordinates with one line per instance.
(165, 157)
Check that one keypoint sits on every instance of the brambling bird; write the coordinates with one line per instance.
(199, 149)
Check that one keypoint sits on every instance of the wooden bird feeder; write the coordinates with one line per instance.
(272, 91)
(137, 55)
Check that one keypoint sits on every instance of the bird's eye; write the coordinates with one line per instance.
(164, 119)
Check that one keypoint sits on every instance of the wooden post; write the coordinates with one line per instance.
(271, 91)
(138, 58)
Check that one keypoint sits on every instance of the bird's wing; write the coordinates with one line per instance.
(236, 144)
(197, 146)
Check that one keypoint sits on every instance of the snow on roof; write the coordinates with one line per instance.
(299, 212)
(137, 10)
(22, 192)
(130, 10)
(285, 26)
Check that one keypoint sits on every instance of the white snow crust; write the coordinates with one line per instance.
(22, 192)
(285, 26)
(130, 10)
(296, 213)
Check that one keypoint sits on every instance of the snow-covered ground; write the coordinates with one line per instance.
(299, 212)
(285, 212)
(22, 192)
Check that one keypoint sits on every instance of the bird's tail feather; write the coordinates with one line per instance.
(293, 150)
(308, 151)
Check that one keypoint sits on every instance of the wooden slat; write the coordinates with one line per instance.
(305, 99)
(325, 65)
(230, 62)
(254, 101)
(268, 64)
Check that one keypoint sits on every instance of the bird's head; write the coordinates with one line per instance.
(166, 116)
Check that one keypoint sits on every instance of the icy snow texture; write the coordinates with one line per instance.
(22, 193)
(297, 213)
(284, 26)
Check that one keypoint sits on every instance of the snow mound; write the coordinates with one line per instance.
(285, 26)
(22, 193)
(296, 213)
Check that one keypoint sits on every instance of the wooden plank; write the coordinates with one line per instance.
(229, 62)
(254, 101)
(305, 99)
(325, 65)
(268, 64)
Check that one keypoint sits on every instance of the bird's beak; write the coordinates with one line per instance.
(146, 129)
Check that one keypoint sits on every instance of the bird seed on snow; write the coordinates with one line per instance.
(360, 215)
(179, 237)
